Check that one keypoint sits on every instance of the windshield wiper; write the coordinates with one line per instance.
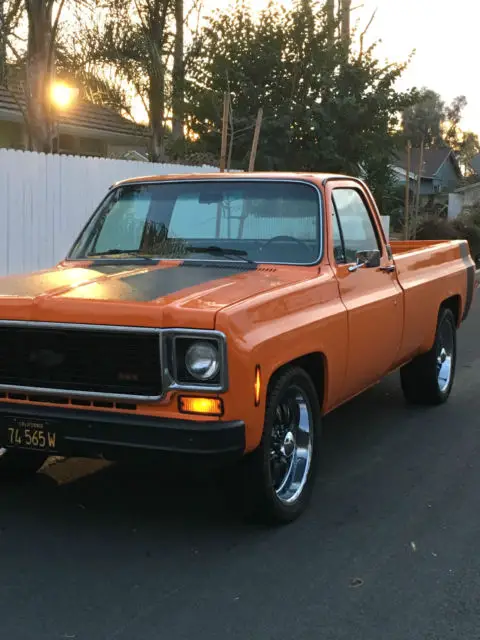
(132, 253)
(220, 251)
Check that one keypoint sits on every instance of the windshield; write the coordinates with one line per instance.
(262, 221)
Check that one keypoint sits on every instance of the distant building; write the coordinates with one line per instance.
(464, 199)
(84, 129)
(475, 164)
(440, 171)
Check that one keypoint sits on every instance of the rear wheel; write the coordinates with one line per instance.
(429, 378)
(20, 464)
(278, 477)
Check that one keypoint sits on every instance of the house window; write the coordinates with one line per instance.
(66, 144)
(11, 135)
(92, 147)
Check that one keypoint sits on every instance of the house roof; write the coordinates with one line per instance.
(83, 115)
(433, 159)
(475, 163)
(473, 186)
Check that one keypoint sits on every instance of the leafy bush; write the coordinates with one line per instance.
(465, 227)
(472, 214)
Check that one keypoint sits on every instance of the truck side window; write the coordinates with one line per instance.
(356, 224)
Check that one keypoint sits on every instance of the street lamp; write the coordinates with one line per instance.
(62, 96)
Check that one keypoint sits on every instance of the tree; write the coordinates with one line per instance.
(423, 120)
(94, 86)
(322, 111)
(3, 44)
(10, 15)
(330, 11)
(76, 63)
(468, 148)
(47, 53)
(453, 115)
(131, 41)
(437, 123)
(345, 10)
(35, 64)
(138, 40)
(40, 71)
(178, 74)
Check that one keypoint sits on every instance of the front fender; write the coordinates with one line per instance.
(274, 329)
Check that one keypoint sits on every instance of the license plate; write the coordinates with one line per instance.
(27, 433)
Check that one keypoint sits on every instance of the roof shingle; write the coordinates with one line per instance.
(84, 115)
(432, 160)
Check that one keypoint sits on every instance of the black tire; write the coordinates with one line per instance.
(259, 493)
(19, 465)
(422, 379)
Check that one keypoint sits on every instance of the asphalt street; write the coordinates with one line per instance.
(389, 550)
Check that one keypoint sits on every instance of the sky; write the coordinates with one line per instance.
(444, 33)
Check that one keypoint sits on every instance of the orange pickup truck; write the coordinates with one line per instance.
(221, 317)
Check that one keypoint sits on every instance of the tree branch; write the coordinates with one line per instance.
(13, 14)
(364, 33)
(54, 31)
(14, 51)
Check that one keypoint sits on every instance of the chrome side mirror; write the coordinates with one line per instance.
(367, 259)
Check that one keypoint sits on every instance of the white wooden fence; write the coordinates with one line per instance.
(46, 199)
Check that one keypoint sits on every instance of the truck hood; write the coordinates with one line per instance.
(169, 294)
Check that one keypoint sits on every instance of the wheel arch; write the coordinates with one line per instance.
(315, 365)
(454, 303)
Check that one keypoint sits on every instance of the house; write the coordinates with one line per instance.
(440, 172)
(475, 164)
(83, 129)
(464, 199)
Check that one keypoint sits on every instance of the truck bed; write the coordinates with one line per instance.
(409, 246)
(430, 271)
(427, 258)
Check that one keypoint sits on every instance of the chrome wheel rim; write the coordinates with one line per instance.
(445, 349)
(291, 445)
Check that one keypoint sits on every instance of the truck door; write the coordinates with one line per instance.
(372, 296)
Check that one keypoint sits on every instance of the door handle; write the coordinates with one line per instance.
(388, 269)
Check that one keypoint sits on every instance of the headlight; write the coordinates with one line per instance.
(202, 361)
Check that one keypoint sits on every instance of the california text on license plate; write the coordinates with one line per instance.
(28, 433)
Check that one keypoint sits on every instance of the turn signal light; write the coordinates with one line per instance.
(200, 406)
(258, 385)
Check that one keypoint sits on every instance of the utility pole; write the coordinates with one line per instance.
(226, 112)
(407, 193)
(3, 45)
(419, 182)
(223, 156)
(256, 136)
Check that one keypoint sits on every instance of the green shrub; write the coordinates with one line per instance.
(462, 228)
(471, 215)
(436, 229)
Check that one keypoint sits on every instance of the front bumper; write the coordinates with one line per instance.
(83, 433)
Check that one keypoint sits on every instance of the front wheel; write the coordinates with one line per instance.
(428, 379)
(278, 477)
(18, 465)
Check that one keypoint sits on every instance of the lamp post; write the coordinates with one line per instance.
(62, 97)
